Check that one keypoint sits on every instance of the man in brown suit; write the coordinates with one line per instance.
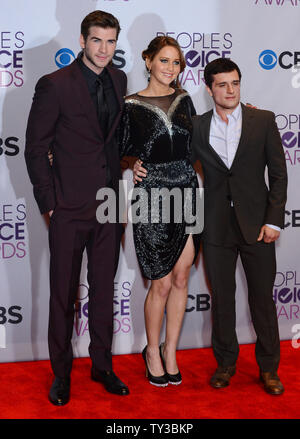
(75, 113)
(242, 217)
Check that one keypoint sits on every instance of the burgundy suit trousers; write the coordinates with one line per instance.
(68, 238)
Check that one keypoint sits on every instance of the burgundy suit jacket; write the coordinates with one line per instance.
(63, 118)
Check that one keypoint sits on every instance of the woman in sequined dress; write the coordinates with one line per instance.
(157, 129)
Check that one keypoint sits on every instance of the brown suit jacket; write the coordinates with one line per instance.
(244, 183)
(63, 118)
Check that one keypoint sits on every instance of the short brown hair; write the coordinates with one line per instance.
(219, 65)
(101, 19)
(159, 43)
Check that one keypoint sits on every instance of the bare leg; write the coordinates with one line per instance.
(154, 312)
(176, 304)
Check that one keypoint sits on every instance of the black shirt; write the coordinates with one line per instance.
(110, 97)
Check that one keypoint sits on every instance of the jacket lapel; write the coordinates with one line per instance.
(116, 83)
(206, 131)
(83, 95)
(120, 98)
(245, 133)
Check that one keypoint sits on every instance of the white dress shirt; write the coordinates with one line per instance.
(224, 137)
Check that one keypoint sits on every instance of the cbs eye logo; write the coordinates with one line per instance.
(286, 59)
(267, 59)
(64, 57)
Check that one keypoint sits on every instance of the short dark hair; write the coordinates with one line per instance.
(219, 65)
(101, 19)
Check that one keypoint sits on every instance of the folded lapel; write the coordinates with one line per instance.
(120, 98)
(116, 83)
(206, 131)
(245, 133)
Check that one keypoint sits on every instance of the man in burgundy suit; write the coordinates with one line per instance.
(75, 113)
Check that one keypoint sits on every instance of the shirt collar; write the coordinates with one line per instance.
(89, 73)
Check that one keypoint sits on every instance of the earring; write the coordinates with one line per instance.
(149, 74)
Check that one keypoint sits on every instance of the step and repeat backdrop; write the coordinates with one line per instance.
(38, 37)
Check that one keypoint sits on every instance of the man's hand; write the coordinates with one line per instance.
(250, 105)
(268, 234)
(50, 157)
(138, 171)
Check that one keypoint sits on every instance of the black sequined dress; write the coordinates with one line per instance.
(158, 131)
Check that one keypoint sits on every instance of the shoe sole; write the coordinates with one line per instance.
(274, 393)
(219, 387)
(116, 393)
(58, 404)
(175, 384)
(158, 385)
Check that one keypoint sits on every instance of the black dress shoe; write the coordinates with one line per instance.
(174, 379)
(110, 381)
(221, 377)
(272, 383)
(60, 391)
(159, 381)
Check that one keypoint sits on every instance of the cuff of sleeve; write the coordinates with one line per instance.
(274, 227)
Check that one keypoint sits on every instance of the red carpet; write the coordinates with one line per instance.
(24, 390)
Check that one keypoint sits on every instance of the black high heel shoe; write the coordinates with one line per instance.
(174, 379)
(159, 381)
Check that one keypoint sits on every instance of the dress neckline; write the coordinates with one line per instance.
(155, 97)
